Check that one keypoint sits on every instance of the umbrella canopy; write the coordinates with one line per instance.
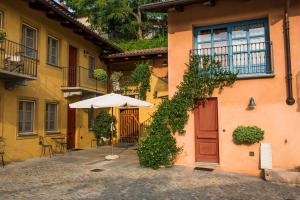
(110, 100)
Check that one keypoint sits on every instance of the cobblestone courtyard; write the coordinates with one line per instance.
(69, 176)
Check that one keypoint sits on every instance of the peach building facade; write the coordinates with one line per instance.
(190, 26)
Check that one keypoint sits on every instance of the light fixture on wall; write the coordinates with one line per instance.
(251, 104)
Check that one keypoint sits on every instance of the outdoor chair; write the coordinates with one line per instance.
(45, 147)
(2, 147)
(14, 63)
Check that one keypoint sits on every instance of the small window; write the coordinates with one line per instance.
(53, 51)
(51, 117)
(29, 38)
(1, 20)
(92, 63)
(26, 117)
(91, 118)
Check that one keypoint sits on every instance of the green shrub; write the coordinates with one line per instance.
(2, 35)
(102, 125)
(157, 150)
(115, 76)
(247, 135)
(100, 74)
(141, 76)
(129, 45)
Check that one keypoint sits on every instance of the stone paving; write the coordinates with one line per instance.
(69, 176)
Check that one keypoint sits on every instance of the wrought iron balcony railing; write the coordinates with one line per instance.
(244, 59)
(18, 59)
(80, 77)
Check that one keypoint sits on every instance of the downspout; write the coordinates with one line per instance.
(290, 99)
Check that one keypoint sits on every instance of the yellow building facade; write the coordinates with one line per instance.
(45, 63)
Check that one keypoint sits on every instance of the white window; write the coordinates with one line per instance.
(29, 38)
(1, 19)
(53, 51)
(26, 117)
(51, 117)
(92, 63)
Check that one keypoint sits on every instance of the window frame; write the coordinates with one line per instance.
(229, 39)
(55, 130)
(1, 19)
(35, 41)
(48, 52)
(91, 118)
(91, 70)
(24, 132)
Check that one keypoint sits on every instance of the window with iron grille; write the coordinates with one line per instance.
(241, 47)
(29, 41)
(53, 51)
(26, 117)
(92, 63)
(51, 117)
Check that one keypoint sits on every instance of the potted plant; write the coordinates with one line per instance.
(2, 35)
(102, 127)
(100, 74)
(115, 78)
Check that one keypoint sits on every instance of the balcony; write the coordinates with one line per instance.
(248, 60)
(77, 81)
(18, 63)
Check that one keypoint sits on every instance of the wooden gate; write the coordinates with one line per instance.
(206, 131)
(129, 125)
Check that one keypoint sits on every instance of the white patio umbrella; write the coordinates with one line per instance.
(110, 101)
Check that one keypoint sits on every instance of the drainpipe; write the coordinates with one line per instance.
(290, 99)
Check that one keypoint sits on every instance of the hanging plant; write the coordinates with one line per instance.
(247, 135)
(2, 35)
(100, 74)
(115, 77)
(199, 82)
(141, 76)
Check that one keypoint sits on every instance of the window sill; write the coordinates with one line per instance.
(54, 66)
(52, 133)
(255, 76)
(21, 136)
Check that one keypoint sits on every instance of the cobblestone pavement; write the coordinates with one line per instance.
(69, 176)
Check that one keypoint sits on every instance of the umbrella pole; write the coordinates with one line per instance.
(112, 129)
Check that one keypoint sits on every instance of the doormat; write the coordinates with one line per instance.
(203, 169)
(97, 170)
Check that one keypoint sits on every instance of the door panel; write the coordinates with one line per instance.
(206, 131)
(72, 75)
(129, 125)
(71, 128)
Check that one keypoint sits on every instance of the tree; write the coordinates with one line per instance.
(120, 19)
(102, 126)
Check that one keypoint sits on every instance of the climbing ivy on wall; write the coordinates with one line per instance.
(199, 81)
(141, 77)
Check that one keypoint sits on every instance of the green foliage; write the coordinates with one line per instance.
(141, 76)
(247, 135)
(2, 35)
(128, 45)
(115, 76)
(102, 125)
(119, 18)
(157, 150)
(100, 74)
(199, 81)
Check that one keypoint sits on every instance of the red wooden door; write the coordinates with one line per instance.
(71, 128)
(206, 131)
(72, 66)
(129, 125)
